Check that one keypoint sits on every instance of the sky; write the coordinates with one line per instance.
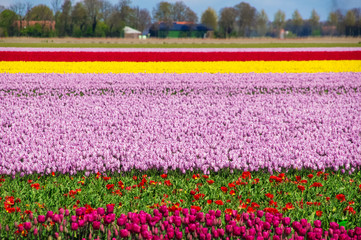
(323, 7)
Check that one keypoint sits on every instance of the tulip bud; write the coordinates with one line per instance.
(317, 223)
(303, 222)
(81, 223)
(209, 222)
(358, 230)
(61, 228)
(96, 225)
(101, 211)
(110, 208)
(302, 232)
(251, 232)
(79, 211)
(286, 221)
(74, 226)
(218, 213)
(275, 223)
(49, 214)
(20, 227)
(107, 219)
(278, 231)
(27, 225)
(260, 213)
(35, 231)
(287, 231)
(61, 210)
(220, 232)
(229, 228)
(124, 233)
(179, 235)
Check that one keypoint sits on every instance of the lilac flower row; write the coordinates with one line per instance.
(323, 49)
(200, 83)
(182, 224)
(143, 126)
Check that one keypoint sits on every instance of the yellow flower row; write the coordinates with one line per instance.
(182, 67)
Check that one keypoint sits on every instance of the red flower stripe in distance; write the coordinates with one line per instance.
(176, 56)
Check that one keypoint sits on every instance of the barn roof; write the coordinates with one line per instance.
(183, 26)
(129, 30)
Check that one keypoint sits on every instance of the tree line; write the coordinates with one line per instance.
(100, 18)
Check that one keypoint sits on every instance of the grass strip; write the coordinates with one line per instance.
(177, 45)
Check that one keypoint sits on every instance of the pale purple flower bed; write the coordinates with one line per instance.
(113, 122)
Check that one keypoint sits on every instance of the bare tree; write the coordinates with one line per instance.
(105, 9)
(18, 8)
(28, 7)
(190, 16)
(143, 18)
(180, 12)
(56, 5)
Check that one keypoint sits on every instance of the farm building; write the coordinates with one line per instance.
(131, 32)
(179, 30)
(45, 23)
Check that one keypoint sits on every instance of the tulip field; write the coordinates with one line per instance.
(180, 143)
